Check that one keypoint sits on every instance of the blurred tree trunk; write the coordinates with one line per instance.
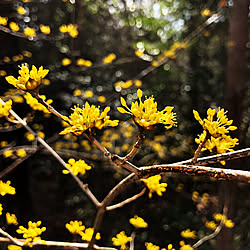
(234, 93)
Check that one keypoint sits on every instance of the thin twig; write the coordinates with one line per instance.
(10, 238)
(123, 203)
(132, 242)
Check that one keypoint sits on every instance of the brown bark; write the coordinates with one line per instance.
(236, 79)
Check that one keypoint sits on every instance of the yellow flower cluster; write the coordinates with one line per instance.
(34, 104)
(109, 58)
(14, 247)
(127, 84)
(188, 234)
(151, 246)
(218, 129)
(83, 62)
(45, 29)
(71, 29)
(21, 152)
(87, 118)
(184, 246)
(29, 31)
(146, 114)
(28, 80)
(14, 26)
(5, 188)
(138, 222)
(5, 109)
(1, 209)
(121, 240)
(76, 227)
(31, 234)
(76, 167)
(154, 185)
(11, 219)
(3, 20)
(21, 10)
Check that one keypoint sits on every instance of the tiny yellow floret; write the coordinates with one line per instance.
(5, 109)
(138, 222)
(21, 153)
(11, 219)
(45, 29)
(21, 10)
(14, 26)
(88, 233)
(77, 167)
(188, 234)
(5, 188)
(75, 227)
(121, 240)
(29, 31)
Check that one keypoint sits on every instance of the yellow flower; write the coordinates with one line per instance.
(21, 153)
(138, 53)
(205, 12)
(154, 63)
(27, 53)
(151, 246)
(34, 104)
(195, 196)
(28, 80)
(40, 134)
(83, 62)
(101, 99)
(121, 239)
(77, 92)
(77, 167)
(46, 81)
(21, 10)
(87, 118)
(188, 234)
(6, 59)
(31, 234)
(11, 219)
(88, 94)
(3, 20)
(146, 114)
(7, 153)
(211, 225)
(5, 188)
(184, 246)
(29, 31)
(109, 58)
(229, 223)
(138, 222)
(45, 29)
(154, 185)
(14, 26)
(3, 73)
(66, 61)
(63, 28)
(29, 136)
(138, 83)
(3, 144)
(72, 30)
(75, 227)
(14, 247)
(88, 233)
(5, 109)
(1, 209)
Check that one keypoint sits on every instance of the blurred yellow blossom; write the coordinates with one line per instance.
(29, 136)
(154, 185)
(21, 153)
(87, 118)
(188, 234)
(211, 225)
(138, 83)
(138, 222)
(29, 31)
(20, 10)
(184, 246)
(27, 53)
(77, 92)
(31, 234)
(5, 188)
(229, 223)
(83, 62)
(28, 80)
(88, 93)
(3, 144)
(205, 12)
(121, 240)
(14, 26)
(66, 61)
(11, 219)
(45, 29)
(46, 81)
(3, 20)
(1, 209)
(6, 59)
(109, 58)
(63, 28)
(146, 114)
(76, 167)
(195, 196)
(101, 99)
(41, 134)
(138, 53)
(5, 109)
(14, 247)
(7, 153)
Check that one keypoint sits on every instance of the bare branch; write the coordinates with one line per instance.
(10, 238)
(57, 244)
(123, 203)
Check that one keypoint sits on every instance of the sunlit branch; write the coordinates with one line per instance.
(137, 145)
(123, 203)
(220, 157)
(132, 242)
(57, 244)
(10, 238)
(84, 187)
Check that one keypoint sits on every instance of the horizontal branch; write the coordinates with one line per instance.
(58, 244)
(218, 173)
